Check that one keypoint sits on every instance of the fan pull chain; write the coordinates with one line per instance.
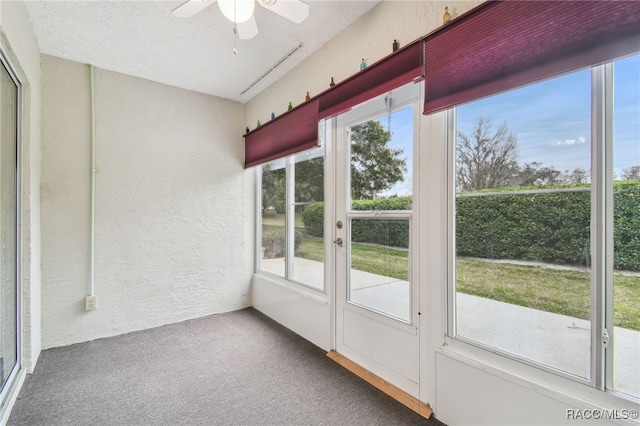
(235, 28)
(235, 39)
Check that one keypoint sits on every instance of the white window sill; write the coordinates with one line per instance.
(560, 388)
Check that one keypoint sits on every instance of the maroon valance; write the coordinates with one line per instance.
(297, 130)
(501, 45)
(393, 71)
(497, 46)
(292, 132)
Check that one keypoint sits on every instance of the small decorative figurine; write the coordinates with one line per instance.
(363, 64)
(396, 45)
(332, 83)
(290, 107)
(273, 116)
(259, 124)
(447, 16)
(247, 130)
(307, 97)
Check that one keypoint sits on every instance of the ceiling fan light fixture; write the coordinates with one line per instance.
(241, 12)
(237, 11)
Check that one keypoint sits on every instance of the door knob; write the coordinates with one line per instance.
(338, 242)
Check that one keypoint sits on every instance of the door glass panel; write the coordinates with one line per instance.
(382, 158)
(379, 272)
(626, 234)
(8, 296)
(380, 176)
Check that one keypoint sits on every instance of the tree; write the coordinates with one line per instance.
(374, 166)
(273, 188)
(534, 174)
(631, 173)
(577, 176)
(486, 159)
(309, 182)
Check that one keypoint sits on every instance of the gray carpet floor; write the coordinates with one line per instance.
(238, 368)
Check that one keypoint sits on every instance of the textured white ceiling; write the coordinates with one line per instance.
(143, 39)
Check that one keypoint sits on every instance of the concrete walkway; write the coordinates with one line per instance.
(559, 341)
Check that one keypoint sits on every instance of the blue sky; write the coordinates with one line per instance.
(551, 121)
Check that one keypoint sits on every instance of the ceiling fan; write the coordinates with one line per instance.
(240, 12)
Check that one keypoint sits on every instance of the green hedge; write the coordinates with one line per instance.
(390, 203)
(541, 227)
(313, 219)
(394, 233)
(388, 232)
(626, 216)
(547, 227)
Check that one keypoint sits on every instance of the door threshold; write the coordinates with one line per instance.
(394, 392)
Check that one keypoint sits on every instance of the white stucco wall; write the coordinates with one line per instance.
(20, 46)
(174, 206)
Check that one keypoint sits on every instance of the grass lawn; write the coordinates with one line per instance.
(312, 248)
(277, 221)
(364, 257)
(551, 290)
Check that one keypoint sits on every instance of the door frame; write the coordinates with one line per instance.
(409, 95)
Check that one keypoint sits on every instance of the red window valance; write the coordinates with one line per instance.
(292, 132)
(297, 130)
(395, 70)
(497, 46)
(501, 45)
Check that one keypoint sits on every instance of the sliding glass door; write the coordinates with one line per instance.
(8, 227)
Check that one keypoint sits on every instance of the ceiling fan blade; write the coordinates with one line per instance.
(293, 10)
(190, 8)
(248, 29)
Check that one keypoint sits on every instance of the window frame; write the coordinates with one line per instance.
(601, 238)
(8, 388)
(290, 204)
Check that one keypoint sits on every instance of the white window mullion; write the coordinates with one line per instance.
(601, 220)
(258, 221)
(290, 217)
(451, 221)
(608, 162)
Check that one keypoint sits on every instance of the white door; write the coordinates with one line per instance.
(375, 262)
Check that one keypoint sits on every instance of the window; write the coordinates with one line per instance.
(522, 222)
(274, 213)
(626, 227)
(532, 175)
(292, 218)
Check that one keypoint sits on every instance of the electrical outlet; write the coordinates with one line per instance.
(91, 303)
